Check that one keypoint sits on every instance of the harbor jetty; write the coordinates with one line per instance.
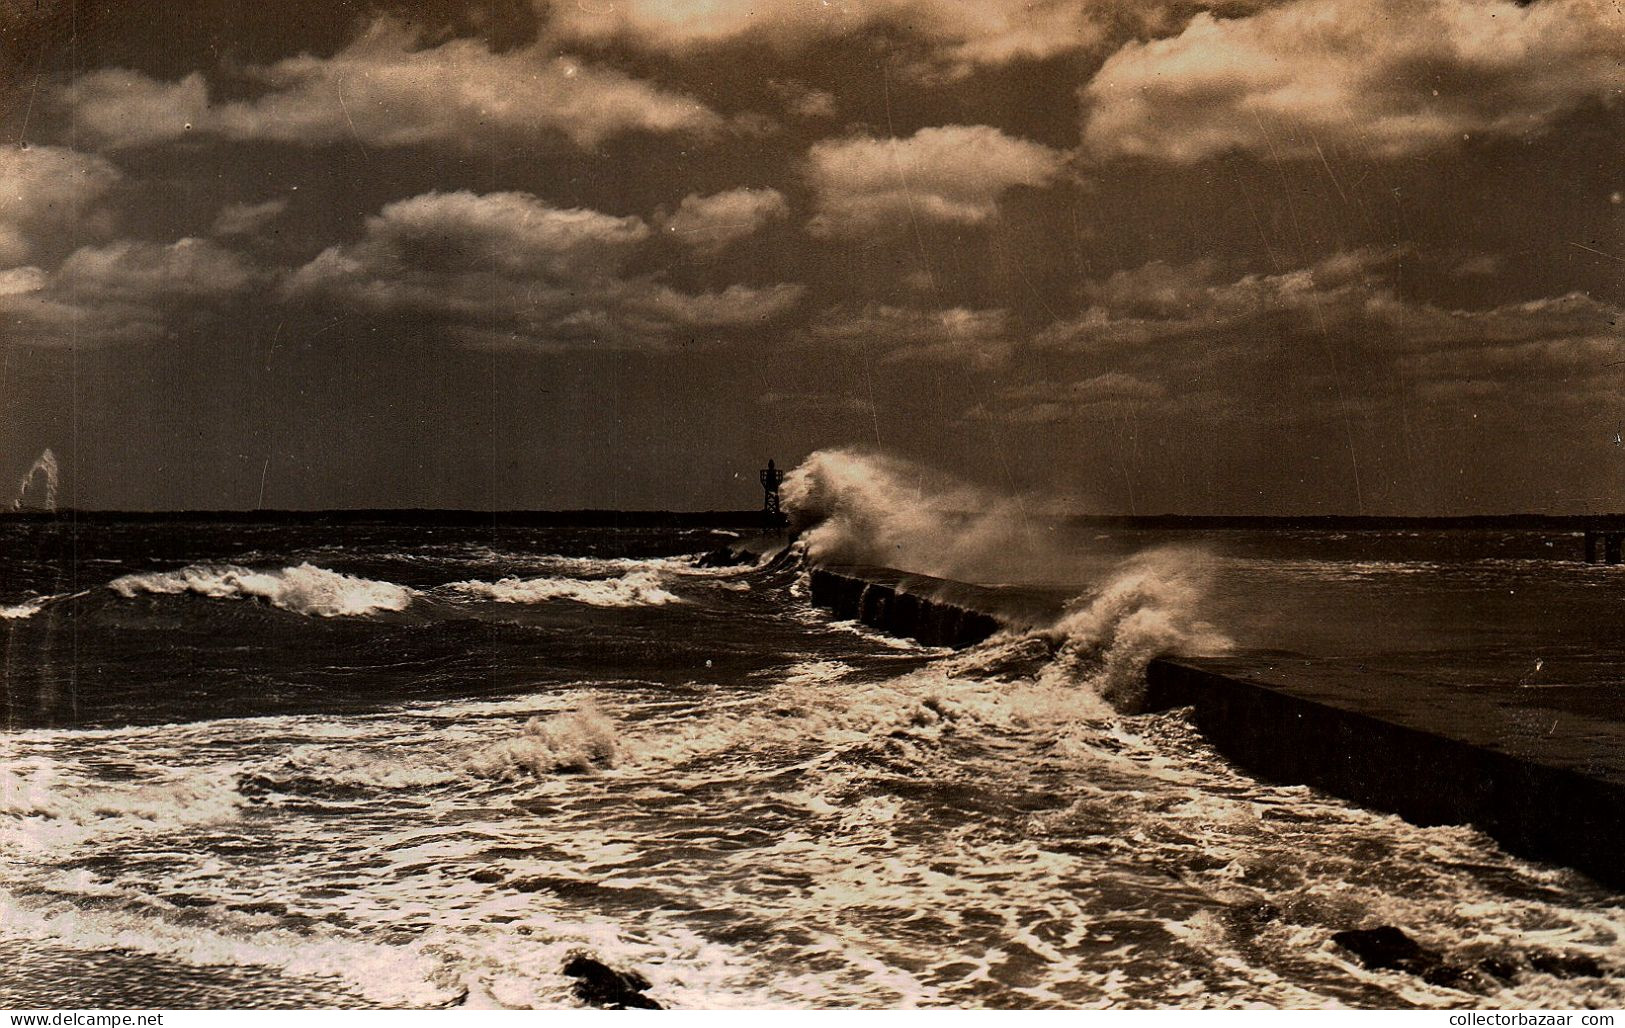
(1545, 782)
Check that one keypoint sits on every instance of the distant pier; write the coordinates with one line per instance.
(1605, 544)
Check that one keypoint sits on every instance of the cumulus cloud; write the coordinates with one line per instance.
(48, 193)
(385, 90)
(237, 219)
(708, 224)
(124, 292)
(508, 269)
(987, 32)
(955, 36)
(804, 101)
(955, 173)
(957, 334)
(1380, 77)
(1188, 340)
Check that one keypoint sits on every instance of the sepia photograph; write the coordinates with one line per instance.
(827, 505)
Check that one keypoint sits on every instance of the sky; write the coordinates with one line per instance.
(1112, 256)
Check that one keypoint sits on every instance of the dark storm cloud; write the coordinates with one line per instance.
(1203, 256)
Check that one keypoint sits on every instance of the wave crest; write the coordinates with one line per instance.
(643, 588)
(26, 609)
(1147, 610)
(302, 589)
(583, 739)
(864, 508)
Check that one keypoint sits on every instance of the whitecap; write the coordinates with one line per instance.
(643, 588)
(303, 589)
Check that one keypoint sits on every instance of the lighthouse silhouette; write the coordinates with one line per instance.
(772, 477)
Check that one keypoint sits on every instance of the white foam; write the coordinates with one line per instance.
(583, 739)
(26, 609)
(303, 589)
(44, 805)
(389, 975)
(641, 588)
(1146, 610)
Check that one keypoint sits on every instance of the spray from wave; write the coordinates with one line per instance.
(579, 740)
(303, 589)
(860, 508)
(1147, 610)
(30, 498)
(851, 507)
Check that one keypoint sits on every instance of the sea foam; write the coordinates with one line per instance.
(303, 589)
(643, 588)
(26, 609)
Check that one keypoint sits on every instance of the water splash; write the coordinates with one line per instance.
(863, 508)
(1149, 608)
(28, 497)
(852, 507)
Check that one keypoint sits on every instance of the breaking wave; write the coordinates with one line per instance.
(858, 508)
(45, 808)
(303, 589)
(26, 609)
(643, 588)
(1148, 609)
(861, 508)
(583, 739)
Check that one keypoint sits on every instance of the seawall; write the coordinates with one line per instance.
(932, 611)
(1546, 783)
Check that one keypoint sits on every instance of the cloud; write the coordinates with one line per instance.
(237, 219)
(383, 90)
(804, 101)
(1335, 337)
(954, 37)
(954, 335)
(48, 193)
(124, 292)
(955, 173)
(708, 224)
(1108, 394)
(506, 269)
(1387, 78)
(986, 32)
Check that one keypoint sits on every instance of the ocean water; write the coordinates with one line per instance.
(403, 766)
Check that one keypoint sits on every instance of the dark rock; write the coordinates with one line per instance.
(1386, 948)
(1389, 949)
(1562, 965)
(600, 985)
(1495, 967)
(1448, 976)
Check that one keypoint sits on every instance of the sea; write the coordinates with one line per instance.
(290, 764)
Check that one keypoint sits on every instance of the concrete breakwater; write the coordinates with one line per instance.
(1545, 782)
(933, 611)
